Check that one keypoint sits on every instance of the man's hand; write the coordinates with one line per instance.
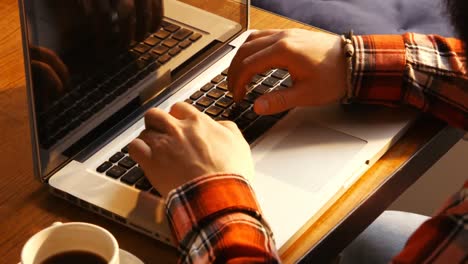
(184, 144)
(315, 61)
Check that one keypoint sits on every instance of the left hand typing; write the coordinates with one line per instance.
(184, 144)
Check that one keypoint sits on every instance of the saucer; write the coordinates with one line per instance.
(128, 258)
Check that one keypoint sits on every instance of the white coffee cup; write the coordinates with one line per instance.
(64, 237)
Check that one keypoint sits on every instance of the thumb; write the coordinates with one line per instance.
(276, 101)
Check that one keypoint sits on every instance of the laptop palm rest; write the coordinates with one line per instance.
(298, 165)
(309, 148)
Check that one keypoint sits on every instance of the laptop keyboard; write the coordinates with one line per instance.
(95, 93)
(216, 101)
(121, 167)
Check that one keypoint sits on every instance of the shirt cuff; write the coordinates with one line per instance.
(200, 201)
(378, 69)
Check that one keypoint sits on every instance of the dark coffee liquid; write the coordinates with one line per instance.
(75, 257)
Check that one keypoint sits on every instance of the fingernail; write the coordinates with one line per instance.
(261, 105)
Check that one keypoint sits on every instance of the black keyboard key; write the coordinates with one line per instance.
(242, 106)
(207, 87)
(271, 81)
(280, 74)
(218, 79)
(242, 123)
(162, 34)
(257, 79)
(230, 114)
(165, 23)
(116, 157)
(215, 93)
(261, 89)
(251, 97)
(141, 64)
(258, 128)
(225, 72)
(199, 108)
(125, 149)
(182, 34)
(143, 184)
(185, 44)
(160, 50)
(250, 115)
(149, 57)
(265, 74)
(152, 41)
(280, 115)
(133, 175)
(214, 111)
(224, 102)
(164, 58)
(229, 95)
(223, 86)
(141, 48)
(174, 51)
(195, 37)
(127, 162)
(103, 167)
(205, 102)
(170, 43)
(115, 172)
(171, 28)
(287, 82)
(189, 101)
(195, 96)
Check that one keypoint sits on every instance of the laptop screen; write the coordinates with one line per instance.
(92, 63)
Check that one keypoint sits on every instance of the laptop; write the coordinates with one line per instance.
(90, 81)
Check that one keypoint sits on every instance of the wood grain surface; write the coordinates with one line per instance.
(26, 206)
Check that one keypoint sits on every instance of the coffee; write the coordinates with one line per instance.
(75, 257)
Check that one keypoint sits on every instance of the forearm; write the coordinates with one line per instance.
(424, 71)
(217, 219)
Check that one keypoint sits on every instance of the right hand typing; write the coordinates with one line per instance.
(315, 61)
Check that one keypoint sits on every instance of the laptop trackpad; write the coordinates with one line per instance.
(307, 156)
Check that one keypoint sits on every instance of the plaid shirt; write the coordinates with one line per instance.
(216, 218)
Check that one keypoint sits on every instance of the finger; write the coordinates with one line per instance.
(140, 151)
(127, 22)
(245, 51)
(159, 120)
(143, 10)
(231, 126)
(157, 14)
(101, 21)
(273, 56)
(49, 57)
(277, 101)
(158, 142)
(261, 33)
(182, 111)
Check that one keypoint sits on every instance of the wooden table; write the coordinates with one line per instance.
(26, 206)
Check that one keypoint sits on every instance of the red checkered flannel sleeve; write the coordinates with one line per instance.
(425, 71)
(217, 219)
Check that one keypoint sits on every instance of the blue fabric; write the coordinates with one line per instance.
(366, 16)
(383, 239)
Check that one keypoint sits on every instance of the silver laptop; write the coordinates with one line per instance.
(90, 82)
